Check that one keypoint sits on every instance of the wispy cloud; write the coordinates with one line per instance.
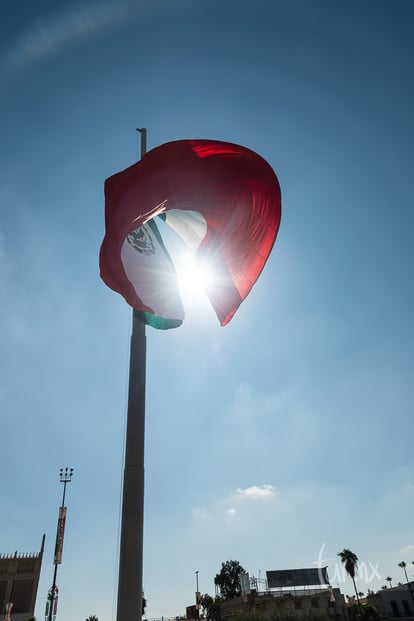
(201, 514)
(409, 550)
(234, 505)
(256, 491)
(230, 514)
(48, 36)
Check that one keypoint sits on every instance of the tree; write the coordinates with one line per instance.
(92, 618)
(228, 580)
(389, 579)
(403, 565)
(350, 561)
(366, 612)
(211, 607)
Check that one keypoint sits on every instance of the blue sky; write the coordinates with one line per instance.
(285, 436)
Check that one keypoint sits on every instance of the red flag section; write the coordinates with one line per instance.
(222, 199)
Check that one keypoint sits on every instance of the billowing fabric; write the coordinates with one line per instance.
(222, 199)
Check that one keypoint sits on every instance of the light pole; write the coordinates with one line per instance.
(65, 477)
(197, 595)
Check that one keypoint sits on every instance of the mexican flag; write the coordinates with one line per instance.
(223, 200)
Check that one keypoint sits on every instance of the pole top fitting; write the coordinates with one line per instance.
(65, 475)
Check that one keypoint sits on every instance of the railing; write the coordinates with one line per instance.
(4, 557)
(177, 618)
(292, 592)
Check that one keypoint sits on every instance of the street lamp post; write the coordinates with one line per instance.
(197, 595)
(65, 478)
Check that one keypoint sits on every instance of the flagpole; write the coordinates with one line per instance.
(132, 522)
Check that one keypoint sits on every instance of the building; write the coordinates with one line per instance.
(19, 579)
(299, 604)
(394, 602)
(294, 593)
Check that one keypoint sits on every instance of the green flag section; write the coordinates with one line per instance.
(223, 200)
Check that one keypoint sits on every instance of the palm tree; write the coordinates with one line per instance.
(350, 561)
(389, 579)
(92, 618)
(403, 565)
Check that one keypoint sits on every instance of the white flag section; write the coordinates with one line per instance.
(163, 303)
(190, 225)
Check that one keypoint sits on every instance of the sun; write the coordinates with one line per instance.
(193, 278)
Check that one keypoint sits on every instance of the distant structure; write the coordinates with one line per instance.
(318, 604)
(395, 602)
(192, 612)
(297, 593)
(19, 579)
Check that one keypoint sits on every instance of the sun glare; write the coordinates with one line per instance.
(193, 278)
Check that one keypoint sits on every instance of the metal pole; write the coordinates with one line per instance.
(132, 522)
(65, 477)
(197, 596)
